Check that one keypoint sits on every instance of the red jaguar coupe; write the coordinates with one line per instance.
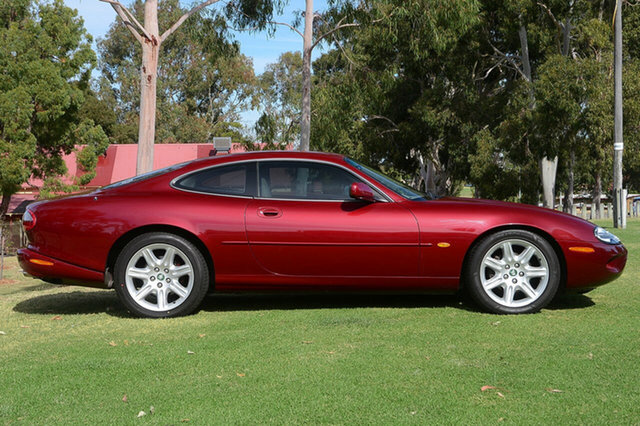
(307, 221)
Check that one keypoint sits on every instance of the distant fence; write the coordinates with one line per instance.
(12, 237)
(589, 211)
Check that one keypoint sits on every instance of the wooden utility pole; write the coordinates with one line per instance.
(619, 198)
(305, 122)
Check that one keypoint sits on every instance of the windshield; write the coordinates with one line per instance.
(394, 185)
(145, 176)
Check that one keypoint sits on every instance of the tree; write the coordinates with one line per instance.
(317, 27)
(150, 39)
(46, 60)
(281, 88)
(204, 83)
(404, 83)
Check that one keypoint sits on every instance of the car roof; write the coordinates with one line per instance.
(261, 155)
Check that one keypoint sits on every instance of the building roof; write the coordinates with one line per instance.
(119, 161)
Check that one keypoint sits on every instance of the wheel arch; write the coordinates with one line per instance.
(533, 229)
(124, 239)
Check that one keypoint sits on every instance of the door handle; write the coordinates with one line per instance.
(269, 212)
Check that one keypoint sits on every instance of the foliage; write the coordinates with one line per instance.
(46, 60)
(413, 96)
(281, 98)
(446, 84)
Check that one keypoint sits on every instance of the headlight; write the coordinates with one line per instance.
(605, 236)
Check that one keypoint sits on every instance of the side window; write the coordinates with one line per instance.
(227, 180)
(304, 180)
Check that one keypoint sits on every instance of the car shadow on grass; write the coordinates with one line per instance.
(279, 301)
(95, 302)
(571, 301)
(74, 303)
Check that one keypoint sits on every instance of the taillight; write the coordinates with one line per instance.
(28, 220)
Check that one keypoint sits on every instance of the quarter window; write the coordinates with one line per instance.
(227, 180)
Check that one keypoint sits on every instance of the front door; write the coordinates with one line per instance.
(304, 224)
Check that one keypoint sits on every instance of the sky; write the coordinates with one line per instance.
(98, 16)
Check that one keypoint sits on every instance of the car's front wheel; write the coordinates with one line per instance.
(161, 275)
(513, 272)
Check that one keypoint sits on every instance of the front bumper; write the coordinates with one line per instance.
(588, 270)
(56, 271)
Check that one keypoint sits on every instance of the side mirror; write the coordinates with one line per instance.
(361, 191)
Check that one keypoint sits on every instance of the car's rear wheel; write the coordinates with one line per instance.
(513, 272)
(161, 275)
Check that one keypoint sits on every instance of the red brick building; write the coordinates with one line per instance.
(118, 163)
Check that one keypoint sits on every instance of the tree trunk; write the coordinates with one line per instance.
(524, 50)
(568, 197)
(420, 179)
(2, 239)
(547, 167)
(548, 174)
(148, 78)
(4, 206)
(597, 192)
(305, 122)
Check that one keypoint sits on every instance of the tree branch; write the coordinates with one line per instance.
(328, 33)
(184, 17)
(382, 117)
(552, 16)
(129, 20)
(291, 27)
(510, 60)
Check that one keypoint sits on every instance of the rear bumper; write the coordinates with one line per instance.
(56, 271)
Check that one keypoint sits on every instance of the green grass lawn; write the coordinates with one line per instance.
(73, 355)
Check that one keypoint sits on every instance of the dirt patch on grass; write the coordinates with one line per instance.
(6, 281)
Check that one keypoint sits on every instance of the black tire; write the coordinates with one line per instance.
(500, 279)
(175, 284)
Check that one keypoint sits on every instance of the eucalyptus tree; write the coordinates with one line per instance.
(411, 66)
(46, 61)
(281, 95)
(151, 40)
(203, 82)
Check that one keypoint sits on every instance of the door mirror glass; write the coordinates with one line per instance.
(361, 191)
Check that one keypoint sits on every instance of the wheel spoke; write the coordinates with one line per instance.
(509, 292)
(507, 252)
(495, 264)
(526, 287)
(179, 271)
(179, 290)
(494, 282)
(142, 274)
(169, 255)
(143, 292)
(150, 258)
(526, 255)
(536, 272)
(161, 295)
